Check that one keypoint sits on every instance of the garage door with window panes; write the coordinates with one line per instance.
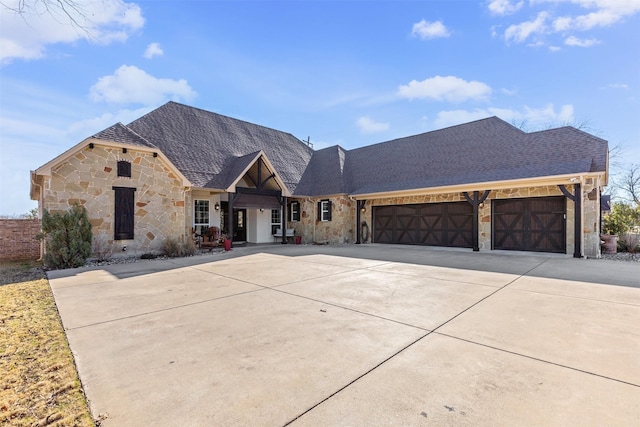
(427, 224)
(535, 224)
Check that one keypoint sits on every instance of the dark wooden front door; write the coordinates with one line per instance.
(534, 224)
(426, 224)
(239, 225)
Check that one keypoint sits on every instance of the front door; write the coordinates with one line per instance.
(239, 225)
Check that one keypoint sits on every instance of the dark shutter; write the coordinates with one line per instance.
(319, 211)
(124, 211)
(329, 209)
(124, 169)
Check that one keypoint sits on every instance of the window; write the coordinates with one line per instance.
(123, 217)
(294, 211)
(276, 221)
(324, 210)
(201, 216)
(124, 168)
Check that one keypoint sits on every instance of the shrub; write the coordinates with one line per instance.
(102, 248)
(621, 219)
(67, 238)
(172, 248)
(188, 248)
(629, 242)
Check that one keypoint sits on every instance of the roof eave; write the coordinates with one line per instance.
(566, 179)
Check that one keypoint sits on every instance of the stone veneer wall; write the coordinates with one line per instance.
(590, 204)
(87, 179)
(341, 228)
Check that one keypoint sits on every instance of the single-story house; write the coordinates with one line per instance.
(484, 185)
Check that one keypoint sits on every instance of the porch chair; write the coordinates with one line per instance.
(211, 239)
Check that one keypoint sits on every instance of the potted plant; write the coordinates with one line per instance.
(226, 242)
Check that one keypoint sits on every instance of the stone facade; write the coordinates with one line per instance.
(341, 228)
(18, 239)
(88, 178)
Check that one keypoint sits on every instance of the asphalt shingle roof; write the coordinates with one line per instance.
(204, 146)
(121, 133)
(481, 151)
(211, 150)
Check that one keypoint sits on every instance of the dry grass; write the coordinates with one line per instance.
(39, 385)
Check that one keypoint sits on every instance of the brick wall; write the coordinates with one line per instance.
(18, 239)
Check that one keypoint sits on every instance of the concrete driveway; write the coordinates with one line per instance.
(356, 335)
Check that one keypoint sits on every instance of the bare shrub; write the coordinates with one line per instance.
(102, 248)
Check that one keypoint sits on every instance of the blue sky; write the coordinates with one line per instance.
(351, 73)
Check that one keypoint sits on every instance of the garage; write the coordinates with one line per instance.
(535, 224)
(427, 224)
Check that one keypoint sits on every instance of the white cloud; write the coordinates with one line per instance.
(618, 86)
(607, 13)
(129, 84)
(449, 88)
(153, 49)
(25, 36)
(429, 30)
(534, 117)
(574, 41)
(368, 125)
(504, 7)
(583, 15)
(520, 32)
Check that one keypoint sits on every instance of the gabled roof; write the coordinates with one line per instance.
(206, 145)
(482, 151)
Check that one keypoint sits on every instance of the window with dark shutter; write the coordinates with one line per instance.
(124, 169)
(294, 211)
(124, 211)
(324, 210)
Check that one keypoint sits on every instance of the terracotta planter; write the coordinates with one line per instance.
(610, 244)
(227, 244)
(298, 240)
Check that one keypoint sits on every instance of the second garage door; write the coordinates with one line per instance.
(532, 224)
(427, 224)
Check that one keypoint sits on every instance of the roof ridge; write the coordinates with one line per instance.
(179, 104)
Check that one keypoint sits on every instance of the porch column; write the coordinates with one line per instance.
(231, 198)
(283, 220)
(475, 202)
(576, 198)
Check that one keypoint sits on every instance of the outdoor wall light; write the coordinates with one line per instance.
(91, 145)
(124, 150)
(363, 209)
(261, 210)
(217, 206)
(481, 205)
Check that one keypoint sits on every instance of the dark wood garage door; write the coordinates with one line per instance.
(429, 224)
(534, 224)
